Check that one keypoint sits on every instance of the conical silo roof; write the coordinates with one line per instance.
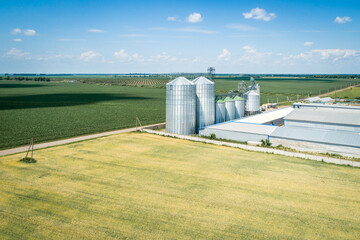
(238, 98)
(202, 80)
(228, 99)
(180, 81)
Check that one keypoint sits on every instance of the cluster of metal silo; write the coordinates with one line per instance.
(252, 105)
(220, 111)
(205, 102)
(229, 109)
(180, 106)
(190, 106)
(239, 107)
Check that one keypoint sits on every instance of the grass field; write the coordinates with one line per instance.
(278, 89)
(142, 186)
(48, 111)
(352, 93)
(56, 110)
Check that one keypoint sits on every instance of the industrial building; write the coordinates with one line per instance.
(251, 128)
(192, 107)
(312, 129)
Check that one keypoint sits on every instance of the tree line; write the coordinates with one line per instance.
(38, 79)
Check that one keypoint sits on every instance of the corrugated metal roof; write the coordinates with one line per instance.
(323, 115)
(267, 116)
(318, 135)
(180, 81)
(202, 80)
(244, 127)
(319, 105)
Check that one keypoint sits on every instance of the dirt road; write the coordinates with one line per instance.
(71, 140)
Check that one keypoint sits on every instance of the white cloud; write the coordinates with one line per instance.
(249, 49)
(121, 54)
(332, 55)
(171, 19)
(198, 59)
(94, 30)
(29, 32)
(89, 55)
(16, 53)
(252, 55)
(17, 40)
(163, 57)
(241, 27)
(194, 18)
(344, 19)
(15, 31)
(225, 55)
(125, 57)
(259, 14)
(186, 29)
(308, 44)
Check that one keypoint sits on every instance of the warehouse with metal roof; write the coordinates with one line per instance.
(310, 129)
(335, 119)
(317, 140)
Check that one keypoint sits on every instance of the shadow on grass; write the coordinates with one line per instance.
(21, 85)
(61, 100)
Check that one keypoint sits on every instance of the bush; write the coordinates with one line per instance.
(212, 136)
(265, 143)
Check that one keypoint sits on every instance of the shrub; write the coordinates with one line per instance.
(265, 143)
(212, 136)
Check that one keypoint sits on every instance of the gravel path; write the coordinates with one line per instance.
(71, 140)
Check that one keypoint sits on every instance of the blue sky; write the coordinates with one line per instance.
(179, 36)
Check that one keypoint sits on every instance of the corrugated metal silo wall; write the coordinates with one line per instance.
(205, 105)
(220, 112)
(229, 110)
(239, 108)
(180, 109)
(252, 103)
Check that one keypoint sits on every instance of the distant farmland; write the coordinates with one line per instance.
(69, 106)
(48, 111)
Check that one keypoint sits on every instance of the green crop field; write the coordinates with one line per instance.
(353, 93)
(278, 89)
(48, 111)
(57, 109)
(142, 186)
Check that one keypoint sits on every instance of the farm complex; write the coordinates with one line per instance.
(317, 127)
(145, 186)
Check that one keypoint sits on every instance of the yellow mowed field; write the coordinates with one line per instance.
(143, 186)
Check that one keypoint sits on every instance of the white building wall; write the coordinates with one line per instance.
(339, 127)
(316, 147)
(233, 135)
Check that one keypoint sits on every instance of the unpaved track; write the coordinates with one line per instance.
(339, 90)
(71, 140)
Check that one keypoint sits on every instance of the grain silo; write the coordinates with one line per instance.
(205, 102)
(180, 106)
(239, 107)
(220, 111)
(252, 105)
(229, 109)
